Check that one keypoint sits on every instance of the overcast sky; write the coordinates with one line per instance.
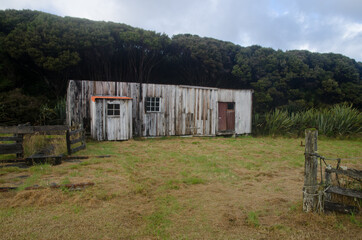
(314, 25)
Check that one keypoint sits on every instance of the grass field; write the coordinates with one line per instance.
(176, 188)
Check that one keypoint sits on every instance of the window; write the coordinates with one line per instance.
(113, 109)
(153, 104)
(231, 106)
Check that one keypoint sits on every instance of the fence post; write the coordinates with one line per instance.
(310, 189)
(20, 155)
(68, 143)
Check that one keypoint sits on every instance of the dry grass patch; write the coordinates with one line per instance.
(176, 188)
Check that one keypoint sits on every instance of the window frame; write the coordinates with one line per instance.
(116, 107)
(153, 104)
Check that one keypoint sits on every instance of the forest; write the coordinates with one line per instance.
(41, 52)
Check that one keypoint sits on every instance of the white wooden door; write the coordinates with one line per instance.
(118, 124)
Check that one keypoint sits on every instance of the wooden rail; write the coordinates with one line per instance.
(12, 148)
(351, 193)
(353, 173)
(73, 137)
(49, 130)
(345, 192)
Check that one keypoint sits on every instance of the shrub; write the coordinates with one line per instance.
(339, 120)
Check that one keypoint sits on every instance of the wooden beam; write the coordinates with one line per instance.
(11, 148)
(71, 133)
(33, 129)
(11, 139)
(16, 160)
(353, 173)
(345, 192)
(74, 141)
(78, 148)
(338, 207)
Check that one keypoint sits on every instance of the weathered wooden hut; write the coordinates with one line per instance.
(158, 109)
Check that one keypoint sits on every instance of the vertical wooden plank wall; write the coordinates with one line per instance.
(243, 107)
(184, 109)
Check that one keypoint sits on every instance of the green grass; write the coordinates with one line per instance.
(253, 219)
(175, 188)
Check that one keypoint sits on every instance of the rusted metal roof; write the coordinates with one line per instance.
(110, 97)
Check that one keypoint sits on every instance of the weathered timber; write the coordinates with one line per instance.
(74, 150)
(310, 199)
(345, 192)
(74, 132)
(71, 186)
(11, 148)
(185, 110)
(338, 207)
(16, 160)
(353, 173)
(115, 127)
(69, 145)
(86, 157)
(20, 141)
(327, 176)
(74, 141)
(11, 138)
(6, 189)
(70, 141)
(33, 129)
(41, 159)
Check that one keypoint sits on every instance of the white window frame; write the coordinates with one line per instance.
(153, 104)
(114, 109)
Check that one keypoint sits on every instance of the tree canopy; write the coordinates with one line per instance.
(40, 52)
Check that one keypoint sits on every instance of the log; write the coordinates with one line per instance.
(310, 199)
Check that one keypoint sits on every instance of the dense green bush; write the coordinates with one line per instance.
(18, 108)
(339, 120)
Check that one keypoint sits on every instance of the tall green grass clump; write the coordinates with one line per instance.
(339, 120)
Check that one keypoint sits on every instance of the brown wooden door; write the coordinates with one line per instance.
(222, 116)
(226, 116)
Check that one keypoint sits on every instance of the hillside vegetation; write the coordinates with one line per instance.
(40, 52)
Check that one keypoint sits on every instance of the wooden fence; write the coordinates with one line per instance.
(328, 194)
(72, 137)
(13, 148)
